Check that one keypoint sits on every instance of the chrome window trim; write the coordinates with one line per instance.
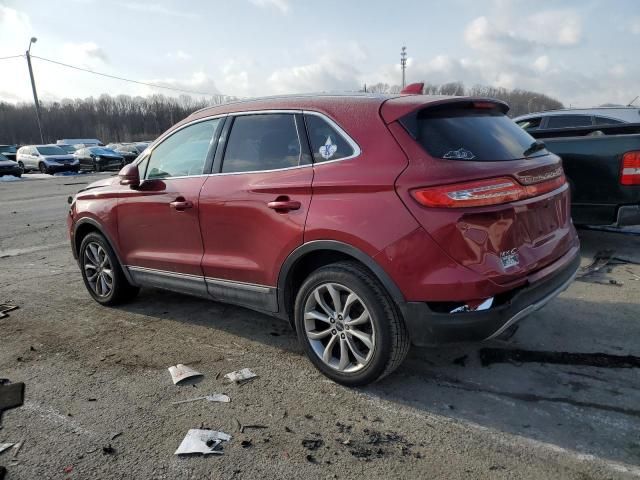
(352, 143)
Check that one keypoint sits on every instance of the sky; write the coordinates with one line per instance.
(582, 52)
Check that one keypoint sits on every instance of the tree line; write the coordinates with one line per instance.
(111, 119)
(520, 101)
(124, 118)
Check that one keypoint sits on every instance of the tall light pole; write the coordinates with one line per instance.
(33, 88)
(403, 64)
(529, 104)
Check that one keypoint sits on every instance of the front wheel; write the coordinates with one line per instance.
(349, 326)
(96, 167)
(43, 168)
(102, 273)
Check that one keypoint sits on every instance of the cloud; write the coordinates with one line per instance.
(550, 28)
(541, 63)
(634, 26)
(329, 73)
(154, 8)
(281, 5)
(180, 55)
(84, 54)
(200, 82)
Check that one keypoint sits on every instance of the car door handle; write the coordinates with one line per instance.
(180, 204)
(283, 205)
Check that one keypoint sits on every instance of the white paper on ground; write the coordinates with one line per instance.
(240, 375)
(216, 397)
(181, 372)
(196, 442)
(5, 446)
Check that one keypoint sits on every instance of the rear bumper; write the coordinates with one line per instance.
(427, 327)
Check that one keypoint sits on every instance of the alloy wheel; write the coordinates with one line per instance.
(339, 327)
(98, 269)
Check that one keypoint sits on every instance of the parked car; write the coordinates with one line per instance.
(602, 164)
(9, 151)
(128, 151)
(578, 117)
(46, 158)
(9, 167)
(368, 222)
(142, 146)
(85, 142)
(99, 159)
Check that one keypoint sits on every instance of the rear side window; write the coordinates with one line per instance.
(262, 142)
(567, 121)
(463, 133)
(606, 121)
(326, 143)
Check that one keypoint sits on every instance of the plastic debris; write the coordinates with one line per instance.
(202, 441)
(5, 446)
(240, 376)
(216, 397)
(5, 308)
(181, 372)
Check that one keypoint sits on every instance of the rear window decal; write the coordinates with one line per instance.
(460, 154)
(328, 150)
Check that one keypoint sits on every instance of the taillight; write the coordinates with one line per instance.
(493, 191)
(630, 172)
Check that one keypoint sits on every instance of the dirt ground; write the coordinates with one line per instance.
(98, 376)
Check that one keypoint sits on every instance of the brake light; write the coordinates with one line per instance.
(630, 172)
(489, 105)
(479, 193)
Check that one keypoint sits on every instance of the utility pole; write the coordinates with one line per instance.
(33, 88)
(403, 64)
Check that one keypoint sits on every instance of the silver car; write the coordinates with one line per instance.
(46, 158)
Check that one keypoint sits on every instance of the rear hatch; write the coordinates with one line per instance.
(490, 195)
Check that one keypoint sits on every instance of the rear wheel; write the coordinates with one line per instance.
(348, 325)
(102, 273)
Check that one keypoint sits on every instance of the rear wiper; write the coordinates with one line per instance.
(534, 147)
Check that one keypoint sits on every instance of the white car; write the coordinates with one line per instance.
(46, 158)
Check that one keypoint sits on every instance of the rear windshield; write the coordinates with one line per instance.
(478, 134)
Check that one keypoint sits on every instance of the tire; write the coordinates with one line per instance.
(96, 167)
(92, 248)
(384, 330)
(21, 165)
(43, 168)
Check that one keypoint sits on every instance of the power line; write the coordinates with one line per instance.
(126, 79)
(13, 56)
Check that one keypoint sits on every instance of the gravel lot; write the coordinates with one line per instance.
(93, 372)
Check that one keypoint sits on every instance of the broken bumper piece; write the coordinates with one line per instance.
(428, 328)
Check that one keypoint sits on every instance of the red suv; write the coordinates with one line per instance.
(368, 222)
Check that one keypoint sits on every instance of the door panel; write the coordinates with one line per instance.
(154, 235)
(253, 215)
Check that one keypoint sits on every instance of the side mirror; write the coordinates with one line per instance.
(129, 175)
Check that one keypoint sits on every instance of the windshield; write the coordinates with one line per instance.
(480, 134)
(3, 158)
(102, 151)
(68, 148)
(8, 149)
(50, 150)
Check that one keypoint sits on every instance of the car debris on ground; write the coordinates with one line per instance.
(181, 372)
(5, 308)
(202, 441)
(215, 397)
(11, 396)
(5, 446)
(240, 376)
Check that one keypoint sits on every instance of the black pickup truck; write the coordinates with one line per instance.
(602, 164)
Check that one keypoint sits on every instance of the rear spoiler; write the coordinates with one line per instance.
(396, 108)
(593, 130)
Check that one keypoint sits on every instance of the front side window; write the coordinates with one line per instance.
(184, 153)
(566, 121)
(326, 143)
(262, 142)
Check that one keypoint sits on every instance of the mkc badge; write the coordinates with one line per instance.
(509, 258)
